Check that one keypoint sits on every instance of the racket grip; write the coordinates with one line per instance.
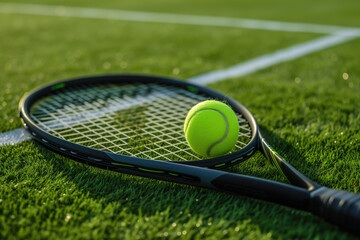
(339, 207)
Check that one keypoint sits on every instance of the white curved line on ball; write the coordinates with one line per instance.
(225, 135)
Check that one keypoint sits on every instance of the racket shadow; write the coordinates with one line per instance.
(291, 154)
(150, 197)
(259, 166)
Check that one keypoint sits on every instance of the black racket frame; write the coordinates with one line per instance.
(79, 152)
(339, 207)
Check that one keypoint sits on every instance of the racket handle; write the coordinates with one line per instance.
(338, 207)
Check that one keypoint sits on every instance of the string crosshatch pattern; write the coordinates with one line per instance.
(133, 119)
(133, 124)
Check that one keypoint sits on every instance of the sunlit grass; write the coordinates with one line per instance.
(308, 109)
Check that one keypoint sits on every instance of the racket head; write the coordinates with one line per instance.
(61, 115)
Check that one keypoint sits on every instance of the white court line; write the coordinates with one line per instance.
(96, 13)
(268, 60)
(14, 137)
(338, 35)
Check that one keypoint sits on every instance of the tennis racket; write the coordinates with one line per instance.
(134, 124)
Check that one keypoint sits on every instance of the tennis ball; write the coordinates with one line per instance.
(211, 128)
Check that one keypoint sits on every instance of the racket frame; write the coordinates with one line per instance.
(336, 206)
(97, 157)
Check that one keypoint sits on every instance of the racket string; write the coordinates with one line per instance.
(141, 120)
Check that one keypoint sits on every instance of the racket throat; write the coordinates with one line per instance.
(289, 172)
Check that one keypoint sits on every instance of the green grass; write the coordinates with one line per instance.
(321, 11)
(305, 108)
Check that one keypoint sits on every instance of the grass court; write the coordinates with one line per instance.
(307, 108)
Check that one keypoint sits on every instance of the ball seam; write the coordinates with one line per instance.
(226, 132)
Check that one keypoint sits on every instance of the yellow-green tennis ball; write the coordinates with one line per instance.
(211, 128)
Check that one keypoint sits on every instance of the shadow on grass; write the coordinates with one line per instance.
(289, 153)
(183, 203)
